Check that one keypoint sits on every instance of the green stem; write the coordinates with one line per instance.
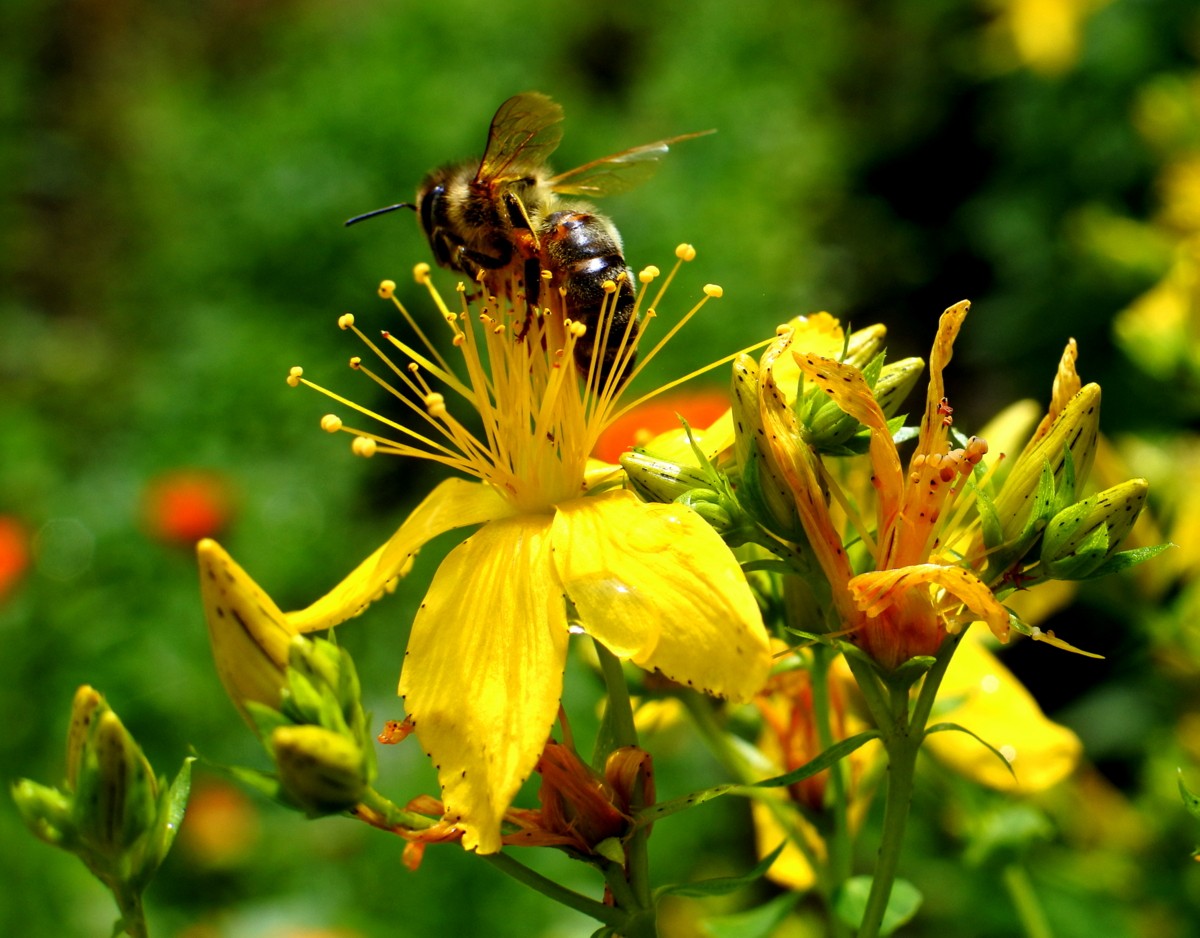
(1025, 900)
(549, 888)
(902, 746)
(133, 916)
(637, 858)
(903, 732)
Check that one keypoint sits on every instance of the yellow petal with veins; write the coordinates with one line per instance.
(988, 700)
(455, 503)
(483, 672)
(655, 584)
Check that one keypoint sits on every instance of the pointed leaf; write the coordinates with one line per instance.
(722, 885)
(945, 727)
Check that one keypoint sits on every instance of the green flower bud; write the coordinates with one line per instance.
(1079, 539)
(830, 427)
(1049, 470)
(46, 811)
(710, 506)
(657, 480)
(320, 771)
(116, 793)
(763, 492)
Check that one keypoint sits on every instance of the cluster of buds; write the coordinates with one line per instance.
(951, 535)
(111, 812)
(318, 735)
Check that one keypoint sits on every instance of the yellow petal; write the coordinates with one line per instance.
(249, 634)
(791, 868)
(655, 584)
(875, 591)
(482, 675)
(455, 503)
(993, 704)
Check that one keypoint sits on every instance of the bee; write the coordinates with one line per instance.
(500, 220)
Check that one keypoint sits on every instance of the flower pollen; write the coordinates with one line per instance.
(539, 417)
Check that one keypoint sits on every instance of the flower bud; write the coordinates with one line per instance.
(864, 344)
(1079, 539)
(320, 771)
(657, 480)
(116, 796)
(46, 811)
(1026, 501)
(830, 427)
(250, 636)
(763, 493)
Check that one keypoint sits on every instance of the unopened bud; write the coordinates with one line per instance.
(320, 771)
(1079, 539)
(658, 480)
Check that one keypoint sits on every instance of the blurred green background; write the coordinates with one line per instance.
(174, 177)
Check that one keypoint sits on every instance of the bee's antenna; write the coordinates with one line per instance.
(381, 211)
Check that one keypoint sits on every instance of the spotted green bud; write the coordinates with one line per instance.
(658, 480)
(116, 793)
(1044, 480)
(320, 771)
(830, 427)
(1080, 539)
(763, 492)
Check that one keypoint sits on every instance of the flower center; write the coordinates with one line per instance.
(537, 416)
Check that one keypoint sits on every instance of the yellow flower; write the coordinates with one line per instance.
(986, 698)
(560, 546)
(914, 592)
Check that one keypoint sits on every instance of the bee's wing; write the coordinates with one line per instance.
(618, 172)
(523, 134)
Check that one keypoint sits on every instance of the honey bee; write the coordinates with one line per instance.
(500, 220)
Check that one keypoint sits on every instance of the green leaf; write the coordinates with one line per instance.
(1124, 559)
(955, 727)
(758, 922)
(851, 903)
(721, 885)
(829, 757)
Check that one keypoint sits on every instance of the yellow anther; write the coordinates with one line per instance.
(388, 287)
(648, 273)
(421, 273)
(363, 446)
(714, 290)
(331, 423)
(685, 252)
(294, 376)
(413, 367)
(346, 320)
(578, 329)
(547, 275)
(608, 286)
(356, 363)
(435, 404)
